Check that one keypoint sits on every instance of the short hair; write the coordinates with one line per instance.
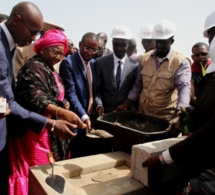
(200, 44)
(90, 35)
(132, 44)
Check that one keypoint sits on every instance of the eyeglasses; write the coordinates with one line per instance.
(94, 51)
(32, 31)
(200, 54)
(115, 44)
(55, 53)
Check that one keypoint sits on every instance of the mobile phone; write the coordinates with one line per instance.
(3, 103)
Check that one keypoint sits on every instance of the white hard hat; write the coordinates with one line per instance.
(121, 32)
(209, 23)
(211, 68)
(146, 31)
(164, 30)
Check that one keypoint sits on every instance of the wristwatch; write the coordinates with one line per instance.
(162, 161)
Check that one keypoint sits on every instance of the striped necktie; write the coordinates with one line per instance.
(89, 80)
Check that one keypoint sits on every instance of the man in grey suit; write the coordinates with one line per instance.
(116, 73)
(104, 37)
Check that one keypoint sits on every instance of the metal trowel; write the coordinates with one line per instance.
(55, 181)
(99, 133)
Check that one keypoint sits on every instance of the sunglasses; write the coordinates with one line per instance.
(115, 44)
(32, 31)
(200, 54)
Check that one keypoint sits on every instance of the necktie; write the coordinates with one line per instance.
(90, 106)
(118, 75)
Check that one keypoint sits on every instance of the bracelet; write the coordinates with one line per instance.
(56, 111)
(53, 125)
(162, 161)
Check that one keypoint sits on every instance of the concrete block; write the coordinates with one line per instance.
(81, 176)
(141, 152)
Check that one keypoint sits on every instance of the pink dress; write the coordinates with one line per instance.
(29, 150)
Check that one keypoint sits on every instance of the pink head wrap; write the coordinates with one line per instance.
(51, 38)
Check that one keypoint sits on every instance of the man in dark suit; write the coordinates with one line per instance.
(73, 71)
(103, 36)
(116, 73)
(78, 75)
(21, 28)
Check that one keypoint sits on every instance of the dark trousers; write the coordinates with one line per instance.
(4, 171)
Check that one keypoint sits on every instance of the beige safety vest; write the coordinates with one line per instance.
(159, 95)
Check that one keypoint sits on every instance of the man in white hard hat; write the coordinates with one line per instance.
(163, 82)
(201, 57)
(209, 26)
(146, 37)
(193, 155)
(116, 73)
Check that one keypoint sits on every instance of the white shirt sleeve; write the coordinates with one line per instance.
(84, 117)
(167, 158)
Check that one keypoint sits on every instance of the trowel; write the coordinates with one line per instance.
(55, 181)
(93, 133)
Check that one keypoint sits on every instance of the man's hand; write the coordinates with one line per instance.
(100, 111)
(123, 107)
(174, 126)
(152, 162)
(88, 122)
(154, 169)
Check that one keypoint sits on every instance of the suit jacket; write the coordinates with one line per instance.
(21, 56)
(106, 52)
(18, 114)
(74, 76)
(196, 152)
(107, 94)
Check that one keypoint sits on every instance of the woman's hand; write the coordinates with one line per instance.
(70, 117)
(62, 129)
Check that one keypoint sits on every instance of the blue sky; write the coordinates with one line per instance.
(81, 16)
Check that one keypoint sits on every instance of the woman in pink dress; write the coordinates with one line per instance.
(39, 89)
